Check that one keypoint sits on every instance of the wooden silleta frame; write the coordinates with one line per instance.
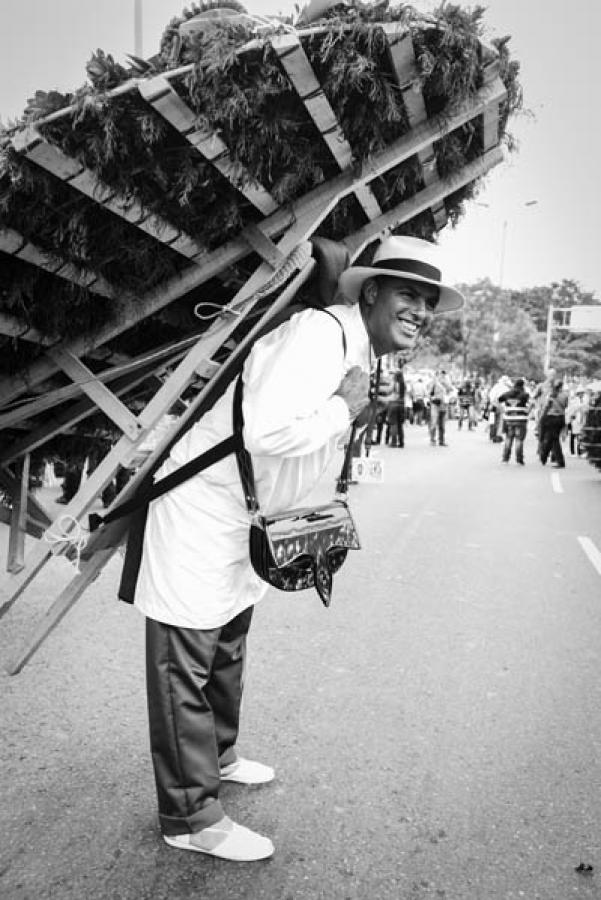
(275, 240)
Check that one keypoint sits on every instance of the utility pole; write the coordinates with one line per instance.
(502, 259)
(547, 362)
(138, 44)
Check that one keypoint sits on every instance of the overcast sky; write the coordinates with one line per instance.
(44, 44)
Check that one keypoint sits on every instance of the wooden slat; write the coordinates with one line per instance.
(314, 206)
(263, 245)
(302, 77)
(32, 528)
(423, 200)
(34, 147)
(59, 609)
(15, 244)
(402, 57)
(67, 418)
(30, 408)
(35, 511)
(169, 105)
(490, 116)
(18, 519)
(97, 391)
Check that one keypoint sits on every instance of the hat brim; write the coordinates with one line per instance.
(352, 278)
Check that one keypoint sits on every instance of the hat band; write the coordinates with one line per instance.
(410, 266)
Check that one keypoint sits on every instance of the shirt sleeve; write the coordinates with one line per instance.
(289, 382)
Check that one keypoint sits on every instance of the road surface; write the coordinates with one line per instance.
(436, 732)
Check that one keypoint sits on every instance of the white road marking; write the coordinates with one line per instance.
(556, 483)
(592, 552)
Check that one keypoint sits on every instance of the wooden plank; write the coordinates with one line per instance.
(263, 245)
(18, 519)
(30, 408)
(97, 391)
(402, 58)
(61, 606)
(169, 105)
(15, 244)
(314, 206)
(31, 528)
(490, 116)
(76, 413)
(294, 60)
(35, 510)
(31, 144)
(422, 201)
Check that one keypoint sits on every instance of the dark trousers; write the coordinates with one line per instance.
(514, 431)
(438, 415)
(550, 431)
(194, 688)
(394, 427)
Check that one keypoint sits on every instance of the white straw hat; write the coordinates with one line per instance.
(403, 257)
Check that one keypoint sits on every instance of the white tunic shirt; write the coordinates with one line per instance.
(196, 571)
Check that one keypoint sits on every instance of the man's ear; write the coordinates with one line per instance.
(369, 291)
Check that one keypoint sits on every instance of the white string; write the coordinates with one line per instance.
(219, 311)
(77, 539)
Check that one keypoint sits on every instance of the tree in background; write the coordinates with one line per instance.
(501, 331)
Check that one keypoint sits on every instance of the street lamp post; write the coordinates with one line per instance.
(503, 247)
(138, 43)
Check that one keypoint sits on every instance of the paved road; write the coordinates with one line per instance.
(436, 732)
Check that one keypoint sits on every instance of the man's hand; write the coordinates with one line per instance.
(354, 390)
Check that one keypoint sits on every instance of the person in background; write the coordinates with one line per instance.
(576, 418)
(495, 409)
(515, 420)
(466, 396)
(386, 394)
(439, 391)
(395, 435)
(409, 415)
(419, 400)
(552, 423)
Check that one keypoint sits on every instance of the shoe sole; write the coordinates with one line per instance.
(173, 842)
(235, 780)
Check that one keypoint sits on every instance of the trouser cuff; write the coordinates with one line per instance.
(208, 815)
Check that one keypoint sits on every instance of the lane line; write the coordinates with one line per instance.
(592, 552)
(556, 483)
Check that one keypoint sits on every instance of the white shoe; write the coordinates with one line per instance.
(245, 771)
(226, 840)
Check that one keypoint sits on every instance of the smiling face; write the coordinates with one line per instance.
(396, 311)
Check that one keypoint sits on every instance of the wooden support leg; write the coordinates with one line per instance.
(61, 606)
(18, 520)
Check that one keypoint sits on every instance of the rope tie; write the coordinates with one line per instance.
(297, 259)
(217, 310)
(76, 540)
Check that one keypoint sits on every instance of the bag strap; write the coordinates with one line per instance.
(183, 473)
(243, 457)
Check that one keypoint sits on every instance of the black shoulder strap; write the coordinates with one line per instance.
(196, 465)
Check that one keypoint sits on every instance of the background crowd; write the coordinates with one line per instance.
(437, 399)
